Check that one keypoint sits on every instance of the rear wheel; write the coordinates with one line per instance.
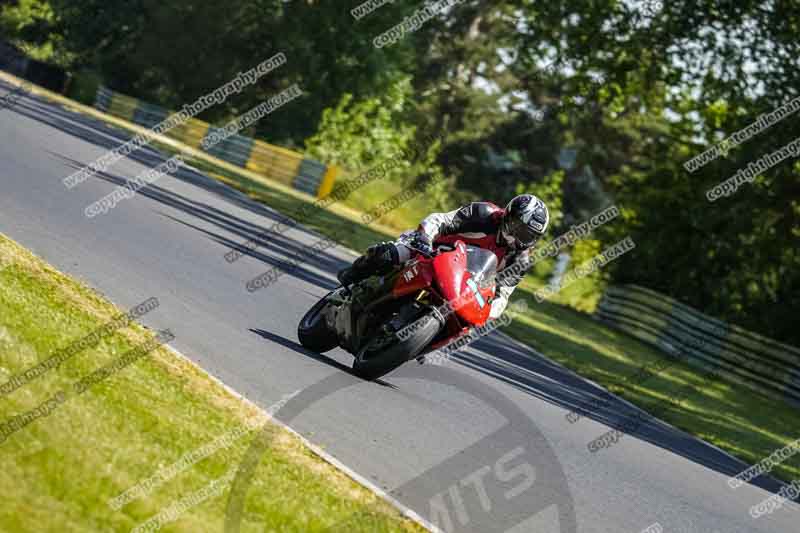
(313, 330)
(385, 351)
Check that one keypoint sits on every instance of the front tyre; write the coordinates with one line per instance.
(377, 358)
(313, 330)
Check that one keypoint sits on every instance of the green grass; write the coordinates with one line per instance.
(405, 216)
(58, 473)
(737, 420)
(83, 87)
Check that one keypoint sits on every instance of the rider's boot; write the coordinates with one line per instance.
(379, 259)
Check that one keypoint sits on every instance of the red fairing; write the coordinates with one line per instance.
(488, 242)
(417, 275)
(456, 286)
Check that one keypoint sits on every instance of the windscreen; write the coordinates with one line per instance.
(481, 263)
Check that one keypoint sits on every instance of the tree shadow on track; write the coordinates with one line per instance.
(280, 250)
(107, 137)
(275, 249)
(508, 361)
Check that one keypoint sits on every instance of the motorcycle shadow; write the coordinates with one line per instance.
(297, 347)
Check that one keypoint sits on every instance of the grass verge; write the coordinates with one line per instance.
(59, 472)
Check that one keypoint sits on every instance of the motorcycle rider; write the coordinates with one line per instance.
(509, 233)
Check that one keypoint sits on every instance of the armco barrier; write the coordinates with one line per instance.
(272, 162)
(737, 355)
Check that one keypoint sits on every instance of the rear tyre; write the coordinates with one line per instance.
(376, 359)
(313, 331)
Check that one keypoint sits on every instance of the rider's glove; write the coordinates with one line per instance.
(426, 248)
(423, 242)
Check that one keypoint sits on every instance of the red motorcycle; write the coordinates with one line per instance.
(435, 298)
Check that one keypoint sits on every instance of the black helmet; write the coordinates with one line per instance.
(525, 221)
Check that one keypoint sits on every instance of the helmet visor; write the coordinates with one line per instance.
(522, 233)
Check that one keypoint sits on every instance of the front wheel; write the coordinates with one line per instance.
(313, 330)
(380, 355)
